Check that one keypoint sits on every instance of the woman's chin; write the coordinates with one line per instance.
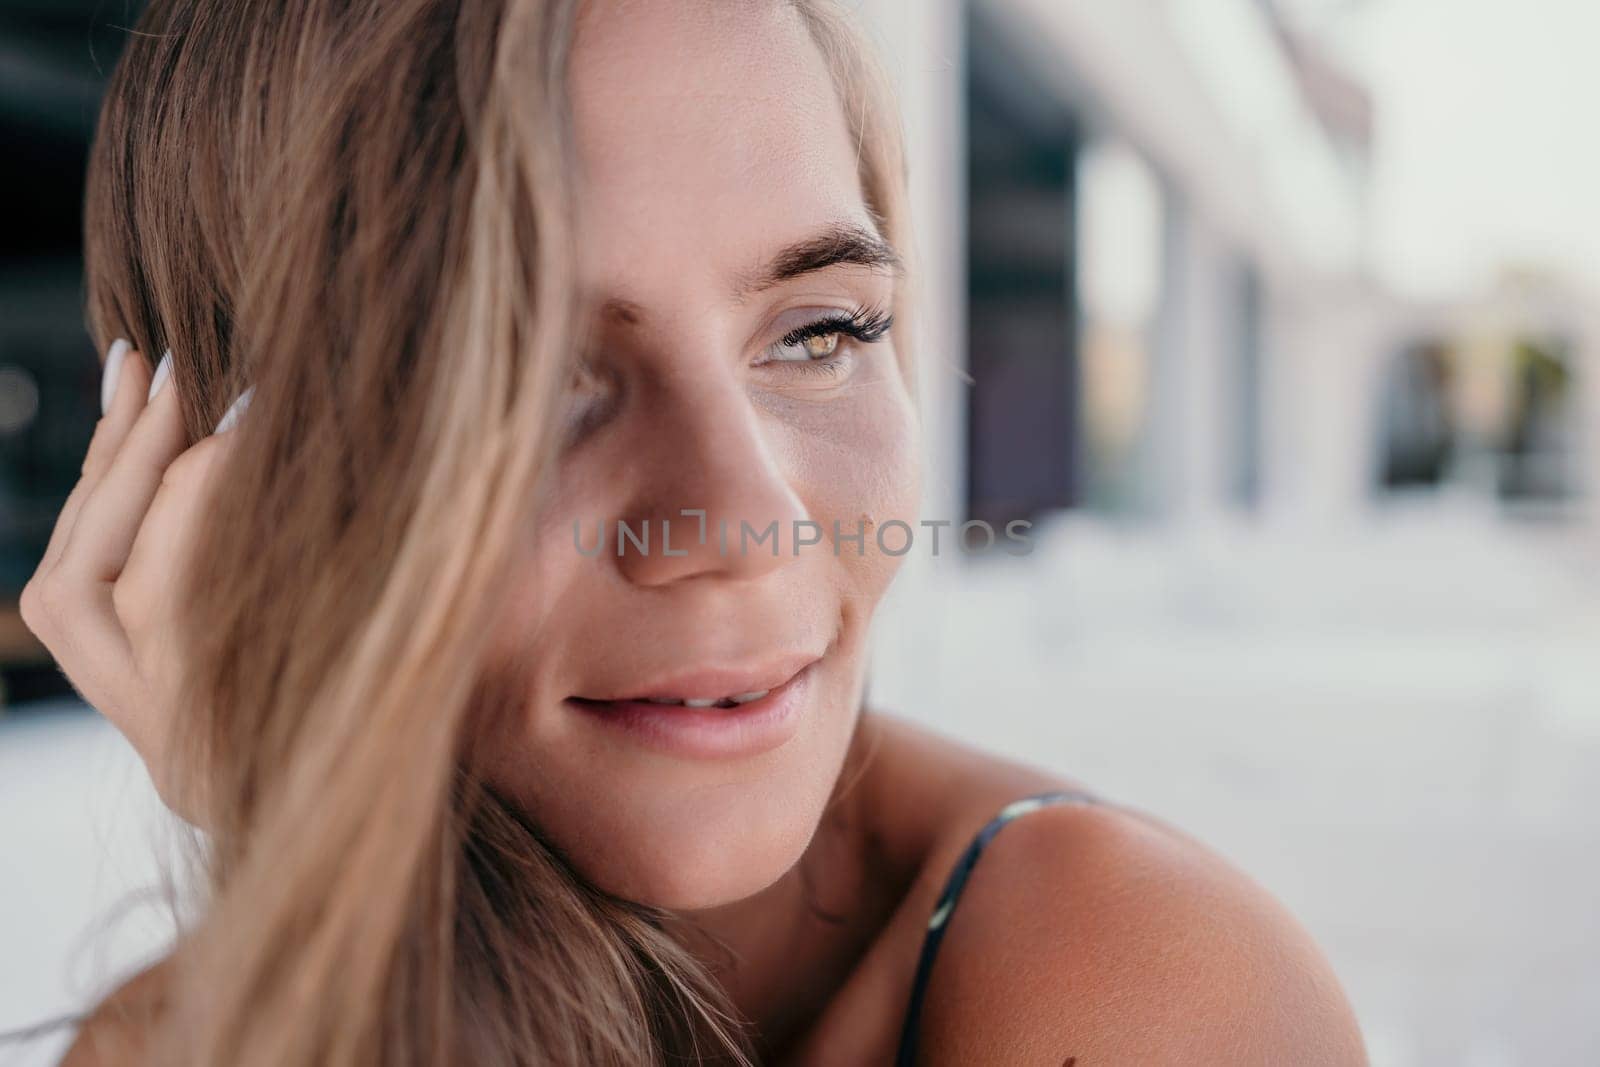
(685, 851)
(690, 892)
(697, 871)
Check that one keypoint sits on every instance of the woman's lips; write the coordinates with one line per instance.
(728, 729)
(707, 685)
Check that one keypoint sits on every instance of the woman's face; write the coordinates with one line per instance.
(721, 221)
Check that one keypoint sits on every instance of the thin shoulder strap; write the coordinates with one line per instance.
(906, 1057)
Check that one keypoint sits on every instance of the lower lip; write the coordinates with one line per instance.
(710, 733)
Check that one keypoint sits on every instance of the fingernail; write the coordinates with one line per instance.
(163, 372)
(108, 375)
(235, 409)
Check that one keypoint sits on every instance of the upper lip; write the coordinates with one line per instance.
(712, 682)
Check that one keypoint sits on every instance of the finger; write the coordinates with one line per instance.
(109, 518)
(146, 598)
(90, 641)
(153, 575)
(125, 403)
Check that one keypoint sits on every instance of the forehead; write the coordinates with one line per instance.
(709, 134)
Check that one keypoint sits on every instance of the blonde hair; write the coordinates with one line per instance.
(362, 209)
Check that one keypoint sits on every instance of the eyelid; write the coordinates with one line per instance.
(863, 323)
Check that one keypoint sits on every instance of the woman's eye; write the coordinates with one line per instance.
(820, 352)
(816, 346)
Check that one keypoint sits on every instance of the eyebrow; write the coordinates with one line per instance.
(842, 243)
(838, 244)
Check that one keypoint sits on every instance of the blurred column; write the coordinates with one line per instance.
(1326, 343)
(1189, 434)
(1120, 272)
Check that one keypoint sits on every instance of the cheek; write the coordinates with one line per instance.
(855, 462)
(544, 597)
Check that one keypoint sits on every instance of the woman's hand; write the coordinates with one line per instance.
(103, 599)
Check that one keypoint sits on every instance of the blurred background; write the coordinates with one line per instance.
(1278, 318)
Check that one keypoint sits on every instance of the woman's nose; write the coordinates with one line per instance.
(714, 499)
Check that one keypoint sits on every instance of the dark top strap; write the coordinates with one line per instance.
(907, 1054)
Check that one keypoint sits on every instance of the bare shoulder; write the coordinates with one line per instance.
(116, 1033)
(1096, 934)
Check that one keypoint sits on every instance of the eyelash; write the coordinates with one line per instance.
(866, 325)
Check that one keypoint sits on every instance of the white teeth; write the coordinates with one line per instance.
(709, 702)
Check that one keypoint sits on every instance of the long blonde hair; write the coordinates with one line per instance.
(362, 209)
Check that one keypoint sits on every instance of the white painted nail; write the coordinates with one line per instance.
(235, 409)
(163, 372)
(113, 368)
